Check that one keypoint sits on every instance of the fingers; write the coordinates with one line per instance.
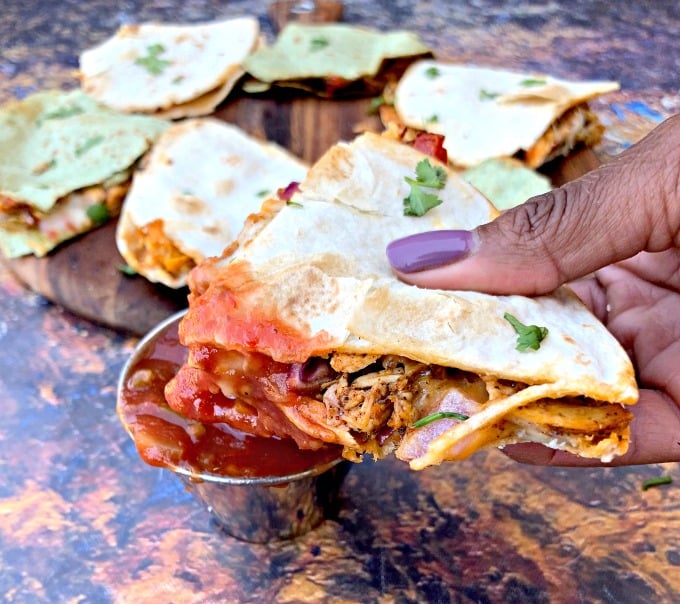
(655, 438)
(626, 206)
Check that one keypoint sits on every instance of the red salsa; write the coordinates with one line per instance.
(167, 439)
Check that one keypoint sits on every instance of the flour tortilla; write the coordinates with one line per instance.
(485, 113)
(199, 184)
(61, 153)
(165, 68)
(312, 281)
(506, 181)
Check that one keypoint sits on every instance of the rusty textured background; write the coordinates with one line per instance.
(83, 520)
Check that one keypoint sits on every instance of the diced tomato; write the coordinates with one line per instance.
(432, 145)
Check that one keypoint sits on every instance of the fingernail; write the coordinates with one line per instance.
(428, 250)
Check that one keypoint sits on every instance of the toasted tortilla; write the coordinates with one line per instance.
(174, 70)
(190, 200)
(63, 153)
(506, 181)
(304, 323)
(327, 57)
(487, 113)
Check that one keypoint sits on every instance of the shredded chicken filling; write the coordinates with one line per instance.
(375, 400)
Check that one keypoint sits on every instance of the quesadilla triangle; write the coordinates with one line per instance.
(333, 59)
(65, 167)
(192, 196)
(302, 329)
(485, 113)
(174, 71)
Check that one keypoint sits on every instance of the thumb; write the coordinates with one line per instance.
(626, 206)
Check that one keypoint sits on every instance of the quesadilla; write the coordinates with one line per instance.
(506, 182)
(333, 59)
(65, 167)
(192, 196)
(485, 113)
(302, 330)
(172, 71)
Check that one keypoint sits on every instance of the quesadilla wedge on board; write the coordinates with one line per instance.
(65, 167)
(170, 70)
(333, 59)
(303, 329)
(192, 196)
(485, 113)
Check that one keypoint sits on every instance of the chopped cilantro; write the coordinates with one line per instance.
(88, 144)
(295, 204)
(318, 43)
(178, 79)
(376, 103)
(434, 118)
(485, 95)
(655, 482)
(98, 213)
(64, 112)
(533, 82)
(529, 336)
(419, 201)
(432, 72)
(152, 63)
(428, 175)
(428, 419)
(263, 193)
(126, 269)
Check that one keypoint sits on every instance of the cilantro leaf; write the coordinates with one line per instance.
(419, 202)
(432, 72)
(533, 82)
(152, 63)
(655, 482)
(63, 113)
(88, 144)
(318, 43)
(428, 419)
(98, 213)
(529, 336)
(127, 270)
(428, 175)
(485, 95)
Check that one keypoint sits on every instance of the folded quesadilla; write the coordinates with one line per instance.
(507, 182)
(65, 166)
(172, 71)
(485, 113)
(192, 196)
(333, 59)
(303, 330)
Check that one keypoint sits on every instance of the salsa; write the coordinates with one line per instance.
(167, 439)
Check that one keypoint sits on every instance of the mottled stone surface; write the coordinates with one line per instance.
(83, 520)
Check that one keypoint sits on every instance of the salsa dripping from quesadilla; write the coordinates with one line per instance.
(300, 329)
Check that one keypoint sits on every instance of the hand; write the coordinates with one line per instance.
(616, 231)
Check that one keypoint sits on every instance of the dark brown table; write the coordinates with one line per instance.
(82, 519)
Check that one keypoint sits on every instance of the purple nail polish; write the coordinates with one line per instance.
(429, 250)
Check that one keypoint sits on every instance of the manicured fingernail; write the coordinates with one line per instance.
(429, 250)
